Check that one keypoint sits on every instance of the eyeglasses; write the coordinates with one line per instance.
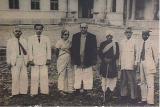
(83, 27)
(66, 34)
(17, 31)
(128, 32)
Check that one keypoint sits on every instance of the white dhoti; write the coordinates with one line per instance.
(147, 84)
(84, 75)
(19, 77)
(109, 83)
(39, 76)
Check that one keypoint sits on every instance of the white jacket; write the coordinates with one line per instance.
(13, 50)
(39, 52)
(149, 56)
(128, 54)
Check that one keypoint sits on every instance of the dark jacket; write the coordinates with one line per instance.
(90, 53)
(112, 68)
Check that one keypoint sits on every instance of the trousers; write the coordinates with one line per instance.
(19, 77)
(147, 84)
(39, 78)
(128, 76)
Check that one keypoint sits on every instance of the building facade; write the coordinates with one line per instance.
(112, 12)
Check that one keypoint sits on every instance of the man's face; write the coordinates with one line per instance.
(145, 36)
(128, 33)
(39, 30)
(109, 37)
(17, 32)
(83, 28)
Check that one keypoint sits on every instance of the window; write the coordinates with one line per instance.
(54, 4)
(139, 11)
(35, 4)
(14, 4)
(113, 5)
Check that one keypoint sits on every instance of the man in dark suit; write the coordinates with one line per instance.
(84, 58)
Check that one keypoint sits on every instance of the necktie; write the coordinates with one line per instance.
(39, 39)
(19, 46)
(143, 52)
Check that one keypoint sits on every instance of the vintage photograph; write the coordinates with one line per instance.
(79, 53)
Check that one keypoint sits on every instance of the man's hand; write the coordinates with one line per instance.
(31, 63)
(9, 66)
(48, 62)
(135, 67)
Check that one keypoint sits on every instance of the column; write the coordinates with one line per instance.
(62, 5)
(149, 10)
(73, 7)
(119, 6)
(100, 7)
(128, 8)
(133, 9)
(109, 5)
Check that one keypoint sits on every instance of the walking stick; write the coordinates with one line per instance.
(104, 92)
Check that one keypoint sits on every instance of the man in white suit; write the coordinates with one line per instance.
(128, 65)
(39, 59)
(147, 69)
(17, 61)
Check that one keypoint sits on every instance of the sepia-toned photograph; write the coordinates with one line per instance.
(79, 53)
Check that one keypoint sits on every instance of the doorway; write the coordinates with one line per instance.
(85, 8)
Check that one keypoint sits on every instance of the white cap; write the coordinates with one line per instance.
(109, 32)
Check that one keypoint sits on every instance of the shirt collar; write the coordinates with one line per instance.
(147, 40)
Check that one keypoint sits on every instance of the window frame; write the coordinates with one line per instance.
(13, 4)
(35, 4)
(54, 4)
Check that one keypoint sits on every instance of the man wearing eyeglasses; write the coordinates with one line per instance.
(128, 65)
(17, 58)
(84, 58)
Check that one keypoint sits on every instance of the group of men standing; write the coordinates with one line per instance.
(37, 54)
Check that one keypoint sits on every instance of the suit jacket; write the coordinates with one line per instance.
(90, 51)
(128, 54)
(13, 50)
(39, 52)
(149, 56)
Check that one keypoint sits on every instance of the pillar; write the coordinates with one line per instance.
(100, 7)
(149, 10)
(109, 5)
(128, 8)
(133, 9)
(62, 5)
(73, 6)
(119, 6)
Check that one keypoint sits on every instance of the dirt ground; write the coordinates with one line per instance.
(94, 98)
